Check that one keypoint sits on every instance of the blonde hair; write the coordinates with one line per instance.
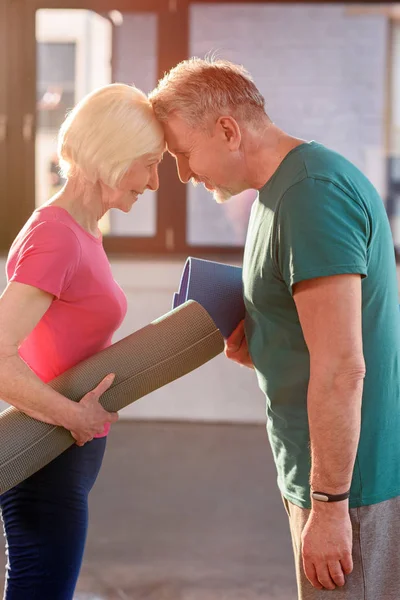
(106, 131)
(197, 89)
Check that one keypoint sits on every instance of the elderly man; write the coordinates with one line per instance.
(322, 326)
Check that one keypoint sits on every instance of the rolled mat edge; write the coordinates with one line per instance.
(165, 350)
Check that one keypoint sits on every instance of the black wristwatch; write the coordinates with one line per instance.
(324, 497)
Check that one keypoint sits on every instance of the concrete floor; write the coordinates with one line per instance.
(187, 512)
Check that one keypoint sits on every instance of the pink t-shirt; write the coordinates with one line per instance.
(55, 254)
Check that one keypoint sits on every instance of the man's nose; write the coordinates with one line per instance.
(184, 171)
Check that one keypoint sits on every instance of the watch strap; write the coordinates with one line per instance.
(324, 497)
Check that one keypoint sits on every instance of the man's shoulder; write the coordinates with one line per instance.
(305, 164)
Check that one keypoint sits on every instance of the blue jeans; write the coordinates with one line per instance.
(45, 521)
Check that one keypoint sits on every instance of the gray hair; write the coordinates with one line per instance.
(197, 89)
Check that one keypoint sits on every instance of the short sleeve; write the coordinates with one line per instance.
(320, 231)
(47, 258)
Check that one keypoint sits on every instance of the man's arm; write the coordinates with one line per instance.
(329, 310)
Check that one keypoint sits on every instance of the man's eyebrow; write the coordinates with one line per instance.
(175, 150)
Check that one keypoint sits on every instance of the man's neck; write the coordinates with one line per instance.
(265, 153)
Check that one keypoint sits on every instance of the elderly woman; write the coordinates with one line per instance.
(60, 306)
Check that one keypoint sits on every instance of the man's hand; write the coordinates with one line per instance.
(327, 546)
(236, 347)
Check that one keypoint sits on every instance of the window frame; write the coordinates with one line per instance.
(17, 156)
(4, 124)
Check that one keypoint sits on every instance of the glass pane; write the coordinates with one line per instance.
(321, 69)
(396, 91)
(78, 51)
(212, 224)
(393, 180)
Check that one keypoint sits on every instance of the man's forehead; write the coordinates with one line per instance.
(178, 135)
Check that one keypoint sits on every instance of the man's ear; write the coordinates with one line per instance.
(229, 129)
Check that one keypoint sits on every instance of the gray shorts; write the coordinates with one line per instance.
(376, 553)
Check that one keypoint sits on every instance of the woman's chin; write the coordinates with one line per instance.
(126, 205)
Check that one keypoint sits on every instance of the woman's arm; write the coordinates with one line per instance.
(21, 308)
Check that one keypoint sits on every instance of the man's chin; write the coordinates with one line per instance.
(221, 196)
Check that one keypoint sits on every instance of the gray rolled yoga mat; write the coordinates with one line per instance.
(217, 287)
(166, 349)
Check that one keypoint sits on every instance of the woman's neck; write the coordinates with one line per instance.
(83, 202)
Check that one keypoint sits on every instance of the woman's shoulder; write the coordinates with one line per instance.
(43, 234)
(47, 223)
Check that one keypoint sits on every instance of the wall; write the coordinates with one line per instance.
(322, 73)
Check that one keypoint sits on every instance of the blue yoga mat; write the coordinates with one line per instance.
(217, 287)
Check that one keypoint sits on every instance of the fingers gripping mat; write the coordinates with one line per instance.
(166, 349)
(217, 287)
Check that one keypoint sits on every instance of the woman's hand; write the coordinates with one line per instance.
(91, 416)
(236, 347)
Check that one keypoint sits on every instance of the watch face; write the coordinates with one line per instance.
(320, 497)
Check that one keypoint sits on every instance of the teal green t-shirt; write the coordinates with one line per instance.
(318, 215)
